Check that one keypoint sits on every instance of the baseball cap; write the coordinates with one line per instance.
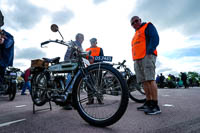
(1, 19)
(93, 40)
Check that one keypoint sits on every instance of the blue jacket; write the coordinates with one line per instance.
(7, 50)
(152, 38)
(69, 53)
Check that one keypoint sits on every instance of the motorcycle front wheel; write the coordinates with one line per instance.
(136, 91)
(101, 95)
(12, 91)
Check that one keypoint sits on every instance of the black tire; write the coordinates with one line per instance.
(38, 89)
(136, 91)
(102, 86)
(12, 92)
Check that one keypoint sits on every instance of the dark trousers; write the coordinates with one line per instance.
(2, 72)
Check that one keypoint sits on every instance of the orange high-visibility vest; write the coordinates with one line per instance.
(139, 43)
(94, 51)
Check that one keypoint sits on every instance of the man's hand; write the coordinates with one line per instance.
(1, 40)
(149, 56)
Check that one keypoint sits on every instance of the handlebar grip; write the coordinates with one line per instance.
(43, 43)
(123, 62)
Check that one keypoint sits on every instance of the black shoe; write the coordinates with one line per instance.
(23, 94)
(100, 101)
(67, 107)
(90, 102)
(153, 110)
(144, 107)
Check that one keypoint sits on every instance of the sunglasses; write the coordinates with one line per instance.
(136, 21)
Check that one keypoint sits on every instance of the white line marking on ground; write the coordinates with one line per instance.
(11, 122)
(19, 106)
(168, 105)
(165, 95)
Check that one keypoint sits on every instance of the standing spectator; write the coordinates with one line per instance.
(27, 84)
(184, 79)
(144, 54)
(179, 83)
(70, 51)
(95, 51)
(158, 80)
(6, 49)
(68, 56)
(162, 78)
(191, 82)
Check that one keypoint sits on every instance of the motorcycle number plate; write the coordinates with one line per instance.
(86, 61)
(13, 74)
(103, 58)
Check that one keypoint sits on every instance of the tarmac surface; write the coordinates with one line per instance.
(180, 114)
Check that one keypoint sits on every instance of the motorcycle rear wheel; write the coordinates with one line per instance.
(106, 108)
(38, 89)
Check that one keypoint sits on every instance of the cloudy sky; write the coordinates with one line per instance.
(177, 22)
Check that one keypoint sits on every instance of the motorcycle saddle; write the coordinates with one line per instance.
(52, 60)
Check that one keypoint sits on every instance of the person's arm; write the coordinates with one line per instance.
(79, 45)
(9, 40)
(152, 38)
(101, 52)
(2, 37)
(67, 54)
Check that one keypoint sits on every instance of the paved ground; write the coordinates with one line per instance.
(180, 114)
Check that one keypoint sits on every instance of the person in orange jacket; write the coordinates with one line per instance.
(144, 55)
(95, 50)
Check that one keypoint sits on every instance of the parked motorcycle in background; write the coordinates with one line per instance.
(136, 91)
(86, 82)
(9, 86)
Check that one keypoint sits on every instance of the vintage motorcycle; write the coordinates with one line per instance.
(136, 91)
(84, 82)
(9, 86)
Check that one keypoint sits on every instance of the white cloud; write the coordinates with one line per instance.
(171, 14)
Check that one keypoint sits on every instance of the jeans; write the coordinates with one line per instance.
(26, 85)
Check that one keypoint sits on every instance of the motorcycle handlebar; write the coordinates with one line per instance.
(120, 64)
(43, 43)
(56, 41)
(69, 44)
(123, 62)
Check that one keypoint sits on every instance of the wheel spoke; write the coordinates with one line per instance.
(104, 106)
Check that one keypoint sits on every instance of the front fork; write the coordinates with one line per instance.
(90, 83)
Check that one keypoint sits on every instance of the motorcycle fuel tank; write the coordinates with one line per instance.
(63, 67)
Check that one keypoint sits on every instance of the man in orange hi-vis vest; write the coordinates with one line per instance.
(95, 51)
(144, 55)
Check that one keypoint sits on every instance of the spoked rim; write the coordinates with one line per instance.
(39, 89)
(105, 98)
(136, 92)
